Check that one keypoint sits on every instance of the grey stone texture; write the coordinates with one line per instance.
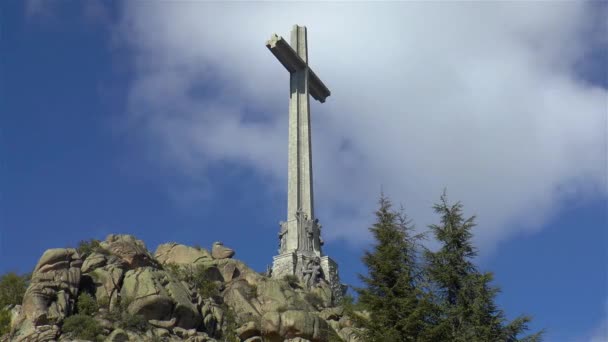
(300, 231)
(300, 239)
(219, 251)
(261, 308)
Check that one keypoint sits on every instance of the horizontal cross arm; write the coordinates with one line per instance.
(292, 62)
(285, 54)
(317, 89)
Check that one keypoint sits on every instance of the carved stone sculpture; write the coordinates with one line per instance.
(313, 273)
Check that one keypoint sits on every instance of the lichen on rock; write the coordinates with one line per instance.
(180, 293)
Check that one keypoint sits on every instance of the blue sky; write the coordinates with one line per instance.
(167, 121)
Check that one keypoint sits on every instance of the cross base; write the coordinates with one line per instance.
(294, 263)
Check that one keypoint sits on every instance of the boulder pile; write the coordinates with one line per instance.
(180, 293)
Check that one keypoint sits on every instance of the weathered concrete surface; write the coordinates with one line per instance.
(300, 233)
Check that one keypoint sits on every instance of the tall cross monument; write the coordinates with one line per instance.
(300, 235)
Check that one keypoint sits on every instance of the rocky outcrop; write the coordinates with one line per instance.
(173, 253)
(156, 295)
(15, 313)
(183, 293)
(219, 251)
(294, 324)
(103, 275)
(248, 330)
(118, 335)
(131, 251)
(41, 333)
(50, 297)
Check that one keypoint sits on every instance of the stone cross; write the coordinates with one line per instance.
(301, 231)
(300, 236)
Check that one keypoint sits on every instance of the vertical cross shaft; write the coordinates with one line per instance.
(299, 174)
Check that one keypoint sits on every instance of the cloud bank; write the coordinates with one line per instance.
(481, 98)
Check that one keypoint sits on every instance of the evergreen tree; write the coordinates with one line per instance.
(391, 296)
(465, 296)
(12, 288)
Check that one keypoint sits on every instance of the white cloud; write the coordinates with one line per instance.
(476, 97)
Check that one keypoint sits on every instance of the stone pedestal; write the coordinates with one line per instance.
(293, 263)
(284, 264)
(330, 272)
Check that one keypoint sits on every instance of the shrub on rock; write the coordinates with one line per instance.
(197, 276)
(5, 321)
(86, 304)
(81, 326)
(86, 247)
(292, 280)
(12, 289)
(314, 299)
(125, 320)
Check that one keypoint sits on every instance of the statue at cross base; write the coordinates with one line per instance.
(300, 239)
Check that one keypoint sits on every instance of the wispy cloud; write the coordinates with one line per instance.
(600, 334)
(93, 11)
(481, 98)
(37, 8)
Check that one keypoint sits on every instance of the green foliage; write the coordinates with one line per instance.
(464, 296)
(314, 300)
(197, 276)
(436, 296)
(12, 288)
(81, 327)
(206, 288)
(520, 324)
(125, 320)
(133, 322)
(350, 305)
(332, 335)
(86, 247)
(251, 291)
(229, 325)
(114, 315)
(103, 303)
(352, 310)
(292, 280)
(86, 304)
(174, 269)
(5, 321)
(392, 294)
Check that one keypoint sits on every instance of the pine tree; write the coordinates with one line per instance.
(391, 296)
(465, 296)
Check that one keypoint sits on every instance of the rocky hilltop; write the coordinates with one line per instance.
(116, 290)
